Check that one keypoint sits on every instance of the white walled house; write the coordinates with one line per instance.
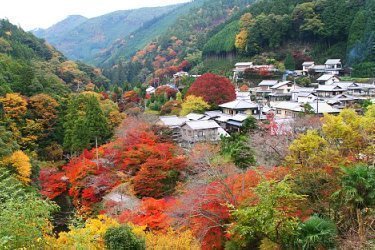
(240, 107)
(328, 91)
(199, 131)
(306, 66)
(333, 66)
(328, 79)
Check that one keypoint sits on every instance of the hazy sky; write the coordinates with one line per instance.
(31, 14)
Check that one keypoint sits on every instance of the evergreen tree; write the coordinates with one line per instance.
(290, 64)
(95, 123)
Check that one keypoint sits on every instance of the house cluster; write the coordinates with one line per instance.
(331, 66)
(212, 125)
(328, 95)
(285, 99)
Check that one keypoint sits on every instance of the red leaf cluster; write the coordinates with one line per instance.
(214, 89)
(53, 182)
(153, 213)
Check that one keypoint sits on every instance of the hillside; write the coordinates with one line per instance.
(314, 30)
(63, 26)
(84, 39)
(179, 47)
(219, 33)
(137, 40)
(29, 66)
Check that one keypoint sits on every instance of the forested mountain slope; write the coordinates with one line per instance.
(29, 66)
(63, 26)
(180, 46)
(126, 47)
(211, 37)
(87, 39)
(307, 29)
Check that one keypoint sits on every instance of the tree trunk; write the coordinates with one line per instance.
(361, 226)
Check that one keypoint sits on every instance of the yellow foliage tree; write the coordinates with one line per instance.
(20, 163)
(310, 150)
(344, 138)
(88, 237)
(14, 106)
(172, 240)
(193, 104)
(241, 39)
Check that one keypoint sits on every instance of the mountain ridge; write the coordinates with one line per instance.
(88, 37)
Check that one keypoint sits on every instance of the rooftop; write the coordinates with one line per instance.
(244, 64)
(333, 87)
(172, 121)
(198, 125)
(194, 116)
(268, 82)
(239, 104)
(333, 61)
(308, 63)
(280, 84)
(325, 77)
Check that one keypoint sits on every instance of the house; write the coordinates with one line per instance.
(333, 66)
(318, 69)
(180, 74)
(296, 92)
(150, 90)
(327, 79)
(200, 131)
(284, 87)
(240, 107)
(343, 101)
(306, 66)
(305, 97)
(219, 117)
(282, 91)
(240, 95)
(287, 109)
(365, 90)
(329, 91)
(295, 109)
(174, 123)
(235, 123)
(240, 68)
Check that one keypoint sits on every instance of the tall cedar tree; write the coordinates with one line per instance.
(214, 89)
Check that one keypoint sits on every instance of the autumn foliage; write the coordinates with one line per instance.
(214, 89)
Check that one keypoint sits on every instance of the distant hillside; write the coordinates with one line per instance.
(29, 66)
(87, 38)
(137, 40)
(61, 27)
(177, 48)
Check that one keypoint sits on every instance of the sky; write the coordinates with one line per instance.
(31, 14)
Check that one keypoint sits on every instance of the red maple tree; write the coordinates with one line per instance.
(214, 89)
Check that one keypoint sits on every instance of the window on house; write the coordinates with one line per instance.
(200, 133)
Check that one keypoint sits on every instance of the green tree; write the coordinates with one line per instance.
(358, 192)
(316, 233)
(25, 218)
(118, 238)
(269, 215)
(290, 64)
(84, 123)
